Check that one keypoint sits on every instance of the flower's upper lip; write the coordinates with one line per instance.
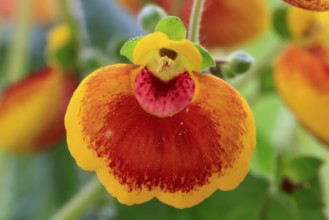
(156, 51)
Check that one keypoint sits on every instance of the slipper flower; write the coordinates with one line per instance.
(313, 5)
(302, 78)
(225, 23)
(159, 128)
(302, 71)
(43, 11)
(32, 111)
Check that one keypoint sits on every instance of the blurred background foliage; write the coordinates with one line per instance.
(289, 172)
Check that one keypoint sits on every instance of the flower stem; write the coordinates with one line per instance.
(195, 19)
(17, 56)
(266, 205)
(90, 194)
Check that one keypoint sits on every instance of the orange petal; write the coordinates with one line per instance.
(181, 159)
(32, 111)
(302, 78)
(313, 5)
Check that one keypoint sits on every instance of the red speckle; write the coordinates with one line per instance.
(163, 98)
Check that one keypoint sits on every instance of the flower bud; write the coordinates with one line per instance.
(240, 62)
(149, 16)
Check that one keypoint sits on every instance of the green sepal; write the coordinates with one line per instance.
(65, 57)
(128, 48)
(173, 27)
(207, 60)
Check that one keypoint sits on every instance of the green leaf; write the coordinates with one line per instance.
(280, 23)
(302, 169)
(267, 80)
(173, 27)
(207, 60)
(65, 56)
(263, 161)
(283, 207)
(128, 48)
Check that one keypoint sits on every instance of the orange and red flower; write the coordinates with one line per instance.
(314, 5)
(160, 128)
(32, 111)
(225, 23)
(302, 77)
(302, 71)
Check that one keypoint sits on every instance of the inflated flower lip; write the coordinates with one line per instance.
(178, 153)
(304, 85)
(313, 5)
(32, 111)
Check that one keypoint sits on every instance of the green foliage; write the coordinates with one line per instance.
(65, 57)
(267, 80)
(128, 48)
(280, 23)
(302, 169)
(173, 27)
(242, 203)
(149, 17)
(207, 60)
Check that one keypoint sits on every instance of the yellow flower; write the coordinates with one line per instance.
(302, 78)
(307, 27)
(160, 128)
(302, 71)
(32, 111)
(313, 5)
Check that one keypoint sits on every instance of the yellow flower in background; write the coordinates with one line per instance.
(32, 110)
(43, 11)
(308, 28)
(302, 78)
(225, 23)
(159, 128)
(314, 5)
(302, 71)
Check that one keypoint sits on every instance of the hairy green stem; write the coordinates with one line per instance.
(90, 194)
(18, 50)
(195, 19)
